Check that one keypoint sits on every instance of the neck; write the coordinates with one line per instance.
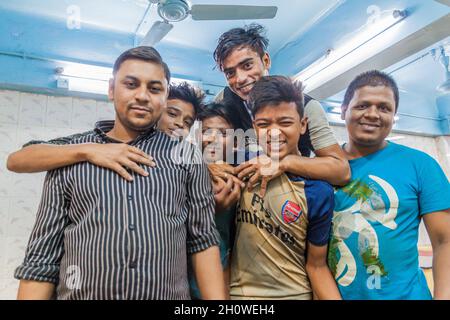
(354, 150)
(121, 133)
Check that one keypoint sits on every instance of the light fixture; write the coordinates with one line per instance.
(78, 70)
(368, 41)
(83, 78)
(88, 85)
(93, 79)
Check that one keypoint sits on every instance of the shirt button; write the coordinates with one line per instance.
(132, 227)
(130, 198)
(133, 264)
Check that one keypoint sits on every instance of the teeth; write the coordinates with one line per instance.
(276, 145)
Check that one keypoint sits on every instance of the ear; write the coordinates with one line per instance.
(168, 88)
(111, 89)
(343, 111)
(266, 61)
(303, 125)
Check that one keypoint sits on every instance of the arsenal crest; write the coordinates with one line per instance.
(290, 212)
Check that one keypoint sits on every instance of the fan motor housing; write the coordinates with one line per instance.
(173, 10)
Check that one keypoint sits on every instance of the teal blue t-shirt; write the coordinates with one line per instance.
(373, 249)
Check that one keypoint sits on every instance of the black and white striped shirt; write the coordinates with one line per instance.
(98, 236)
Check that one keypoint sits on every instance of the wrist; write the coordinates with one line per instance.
(82, 152)
(284, 164)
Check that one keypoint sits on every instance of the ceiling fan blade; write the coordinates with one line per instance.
(158, 31)
(446, 2)
(232, 12)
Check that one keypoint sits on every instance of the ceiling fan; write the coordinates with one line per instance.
(178, 10)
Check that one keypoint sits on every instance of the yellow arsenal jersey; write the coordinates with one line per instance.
(268, 260)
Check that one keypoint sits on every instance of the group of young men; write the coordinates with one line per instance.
(121, 218)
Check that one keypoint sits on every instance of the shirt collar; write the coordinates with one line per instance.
(248, 108)
(103, 127)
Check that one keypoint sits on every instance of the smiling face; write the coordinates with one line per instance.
(177, 119)
(139, 92)
(242, 68)
(216, 138)
(279, 128)
(370, 116)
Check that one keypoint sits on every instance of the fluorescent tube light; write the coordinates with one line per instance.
(94, 79)
(84, 78)
(85, 71)
(88, 85)
(369, 40)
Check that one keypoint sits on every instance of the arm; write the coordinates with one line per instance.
(438, 227)
(320, 199)
(35, 290)
(209, 274)
(39, 271)
(329, 165)
(38, 156)
(45, 157)
(202, 235)
(322, 281)
(434, 206)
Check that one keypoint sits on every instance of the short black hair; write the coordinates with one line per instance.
(273, 90)
(185, 92)
(252, 36)
(143, 53)
(373, 78)
(215, 109)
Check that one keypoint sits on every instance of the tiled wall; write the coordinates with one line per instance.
(25, 117)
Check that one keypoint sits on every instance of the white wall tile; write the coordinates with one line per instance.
(105, 111)
(9, 106)
(8, 98)
(28, 133)
(9, 114)
(21, 217)
(59, 112)
(6, 181)
(4, 209)
(15, 250)
(8, 137)
(84, 113)
(15, 253)
(8, 288)
(24, 185)
(32, 109)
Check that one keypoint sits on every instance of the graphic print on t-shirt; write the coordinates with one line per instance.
(376, 202)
